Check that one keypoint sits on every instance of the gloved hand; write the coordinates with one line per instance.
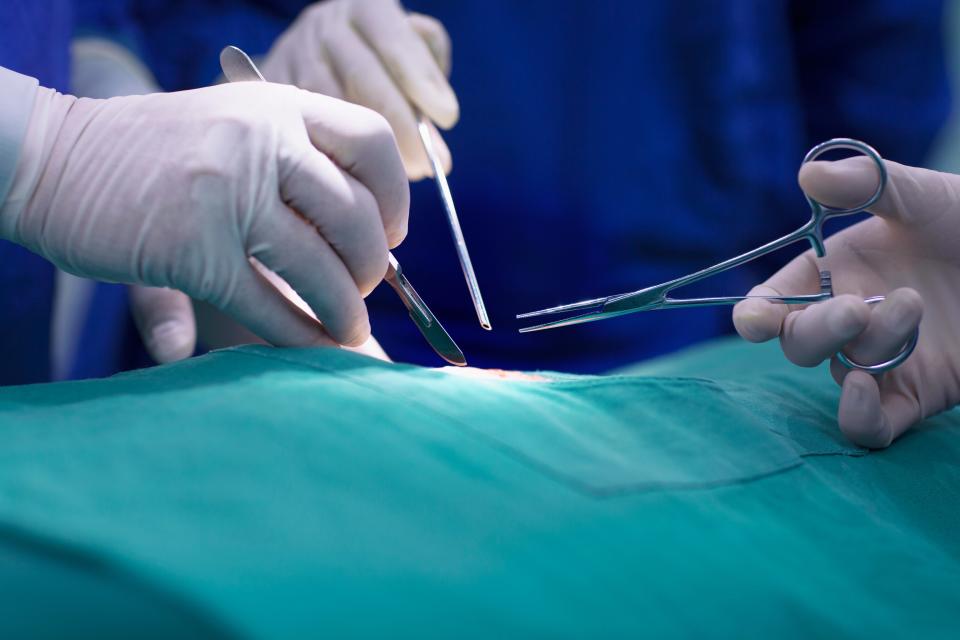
(182, 190)
(372, 53)
(215, 330)
(170, 323)
(909, 252)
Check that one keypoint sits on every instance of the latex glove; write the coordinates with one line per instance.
(373, 53)
(215, 330)
(181, 190)
(102, 68)
(170, 323)
(164, 318)
(909, 252)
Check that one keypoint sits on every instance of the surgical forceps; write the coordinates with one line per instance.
(238, 67)
(454, 222)
(657, 297)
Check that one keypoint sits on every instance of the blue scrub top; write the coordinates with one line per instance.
(606, 146)
(34, 41)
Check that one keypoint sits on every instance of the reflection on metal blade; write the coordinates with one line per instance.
(421, 315)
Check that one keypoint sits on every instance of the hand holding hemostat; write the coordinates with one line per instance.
(909, 252)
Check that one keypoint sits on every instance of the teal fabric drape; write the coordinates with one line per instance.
(258, 492)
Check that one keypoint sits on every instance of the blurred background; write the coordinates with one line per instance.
(945, 154)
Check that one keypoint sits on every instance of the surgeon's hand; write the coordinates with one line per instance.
(372, 53)
(170, 323)
(909, 252)
(182, 190)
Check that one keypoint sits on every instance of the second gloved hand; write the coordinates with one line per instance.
(181, 190)
(372, 53)
(910, 252)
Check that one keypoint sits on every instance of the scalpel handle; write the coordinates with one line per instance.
(407, 294)
(454, 221)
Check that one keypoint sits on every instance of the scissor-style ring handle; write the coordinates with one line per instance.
(852, 145)
(893, 362)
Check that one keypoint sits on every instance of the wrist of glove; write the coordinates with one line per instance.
(50, 110)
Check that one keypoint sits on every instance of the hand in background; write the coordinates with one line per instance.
(372, 53)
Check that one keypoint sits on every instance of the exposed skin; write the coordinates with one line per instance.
(910, 252)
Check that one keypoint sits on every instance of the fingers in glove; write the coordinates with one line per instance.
(164, 318)
(371, 348)
(318, 77)
(816, 333)
(367, 83)
(361, 143)
(292, 248)
(256, 304)
(912, 195)
(871, 419)
(436, 37)
(760, 320)
(891, 324)
(290, 62)
(408, 59)
(345, 213)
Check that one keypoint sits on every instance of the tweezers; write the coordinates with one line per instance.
(454, 221)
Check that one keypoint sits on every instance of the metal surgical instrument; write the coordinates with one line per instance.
(657, 297)
(238, 67)
(441, 179)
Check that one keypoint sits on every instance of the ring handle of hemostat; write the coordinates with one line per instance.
(658, 296)
(886, 365)
(822, 213)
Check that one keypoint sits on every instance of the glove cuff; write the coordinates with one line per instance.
(39, 113)
(17, 97)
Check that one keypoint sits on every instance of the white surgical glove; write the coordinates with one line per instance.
(909, 252)
(182, 190)
(157, 308)
(164, 318)
(372, 53)
(102, 68)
